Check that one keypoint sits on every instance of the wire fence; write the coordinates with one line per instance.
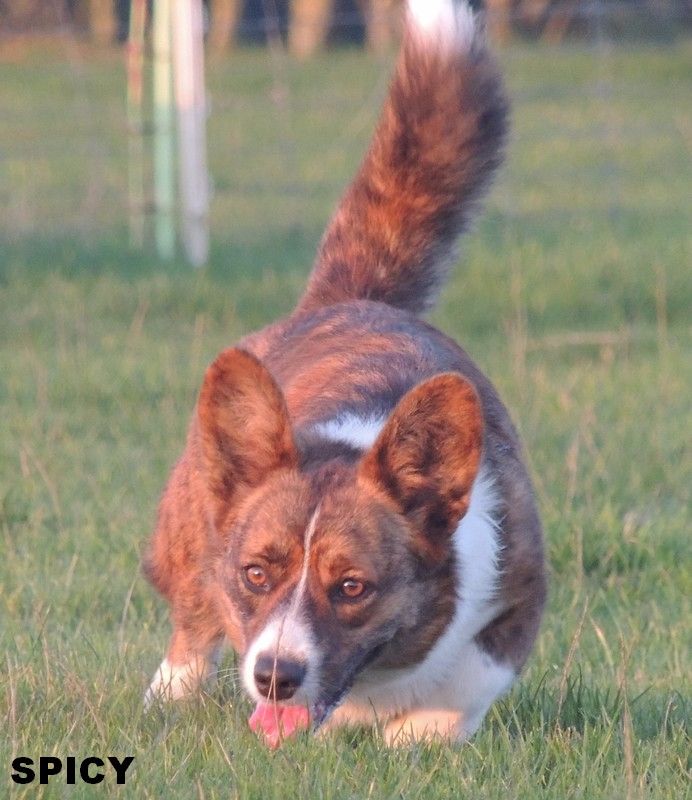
(345, 19)
(284, 136)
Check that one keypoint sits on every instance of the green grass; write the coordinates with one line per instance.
(574, 296)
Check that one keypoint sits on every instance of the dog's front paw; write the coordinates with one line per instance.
(176, 681)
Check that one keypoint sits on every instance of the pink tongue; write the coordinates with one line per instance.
(275, 723)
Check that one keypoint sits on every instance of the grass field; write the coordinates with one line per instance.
(574, 295)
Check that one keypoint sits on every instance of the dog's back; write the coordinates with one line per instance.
(354, 393)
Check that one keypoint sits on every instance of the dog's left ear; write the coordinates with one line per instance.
(427, 457)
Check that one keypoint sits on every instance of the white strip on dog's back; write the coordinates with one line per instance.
(445, 23)
(359, 432)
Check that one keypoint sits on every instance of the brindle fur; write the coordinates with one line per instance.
(254, 470)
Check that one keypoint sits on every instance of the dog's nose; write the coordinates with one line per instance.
(278, 678)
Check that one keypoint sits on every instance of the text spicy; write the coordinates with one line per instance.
(87, 770)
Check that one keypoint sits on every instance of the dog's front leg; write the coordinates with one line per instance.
(185, 669)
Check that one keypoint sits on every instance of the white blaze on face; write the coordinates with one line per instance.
(288, 635)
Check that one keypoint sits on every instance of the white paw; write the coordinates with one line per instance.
(175, 681)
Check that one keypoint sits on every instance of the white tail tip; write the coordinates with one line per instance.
(447, 23)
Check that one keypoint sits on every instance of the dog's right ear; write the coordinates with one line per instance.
(244, 426)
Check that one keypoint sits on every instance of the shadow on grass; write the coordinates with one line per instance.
(580, 705)
(286, 252)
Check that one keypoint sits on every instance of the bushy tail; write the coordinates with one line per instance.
(438, 142)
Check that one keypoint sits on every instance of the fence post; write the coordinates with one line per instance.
(102, 24)
(309, 26)
(190, 98)
(164, 181)
(135, 120)
(382, 22)
(225, 16)
(499, 17)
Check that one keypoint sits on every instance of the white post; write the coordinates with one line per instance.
(190, 97)
(164, 178)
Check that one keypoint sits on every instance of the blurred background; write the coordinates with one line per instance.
(313, 23)
(293, 90)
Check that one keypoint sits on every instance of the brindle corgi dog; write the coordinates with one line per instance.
(351, 511)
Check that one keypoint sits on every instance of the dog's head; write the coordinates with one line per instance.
(335, 557)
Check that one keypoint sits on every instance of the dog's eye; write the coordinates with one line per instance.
(256, 577)
(351, 588)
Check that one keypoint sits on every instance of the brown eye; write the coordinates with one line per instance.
(351, 588)
(256, 577)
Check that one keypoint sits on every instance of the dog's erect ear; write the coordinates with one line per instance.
(243, 423)
(427, 457)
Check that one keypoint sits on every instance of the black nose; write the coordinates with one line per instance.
(278, 678)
